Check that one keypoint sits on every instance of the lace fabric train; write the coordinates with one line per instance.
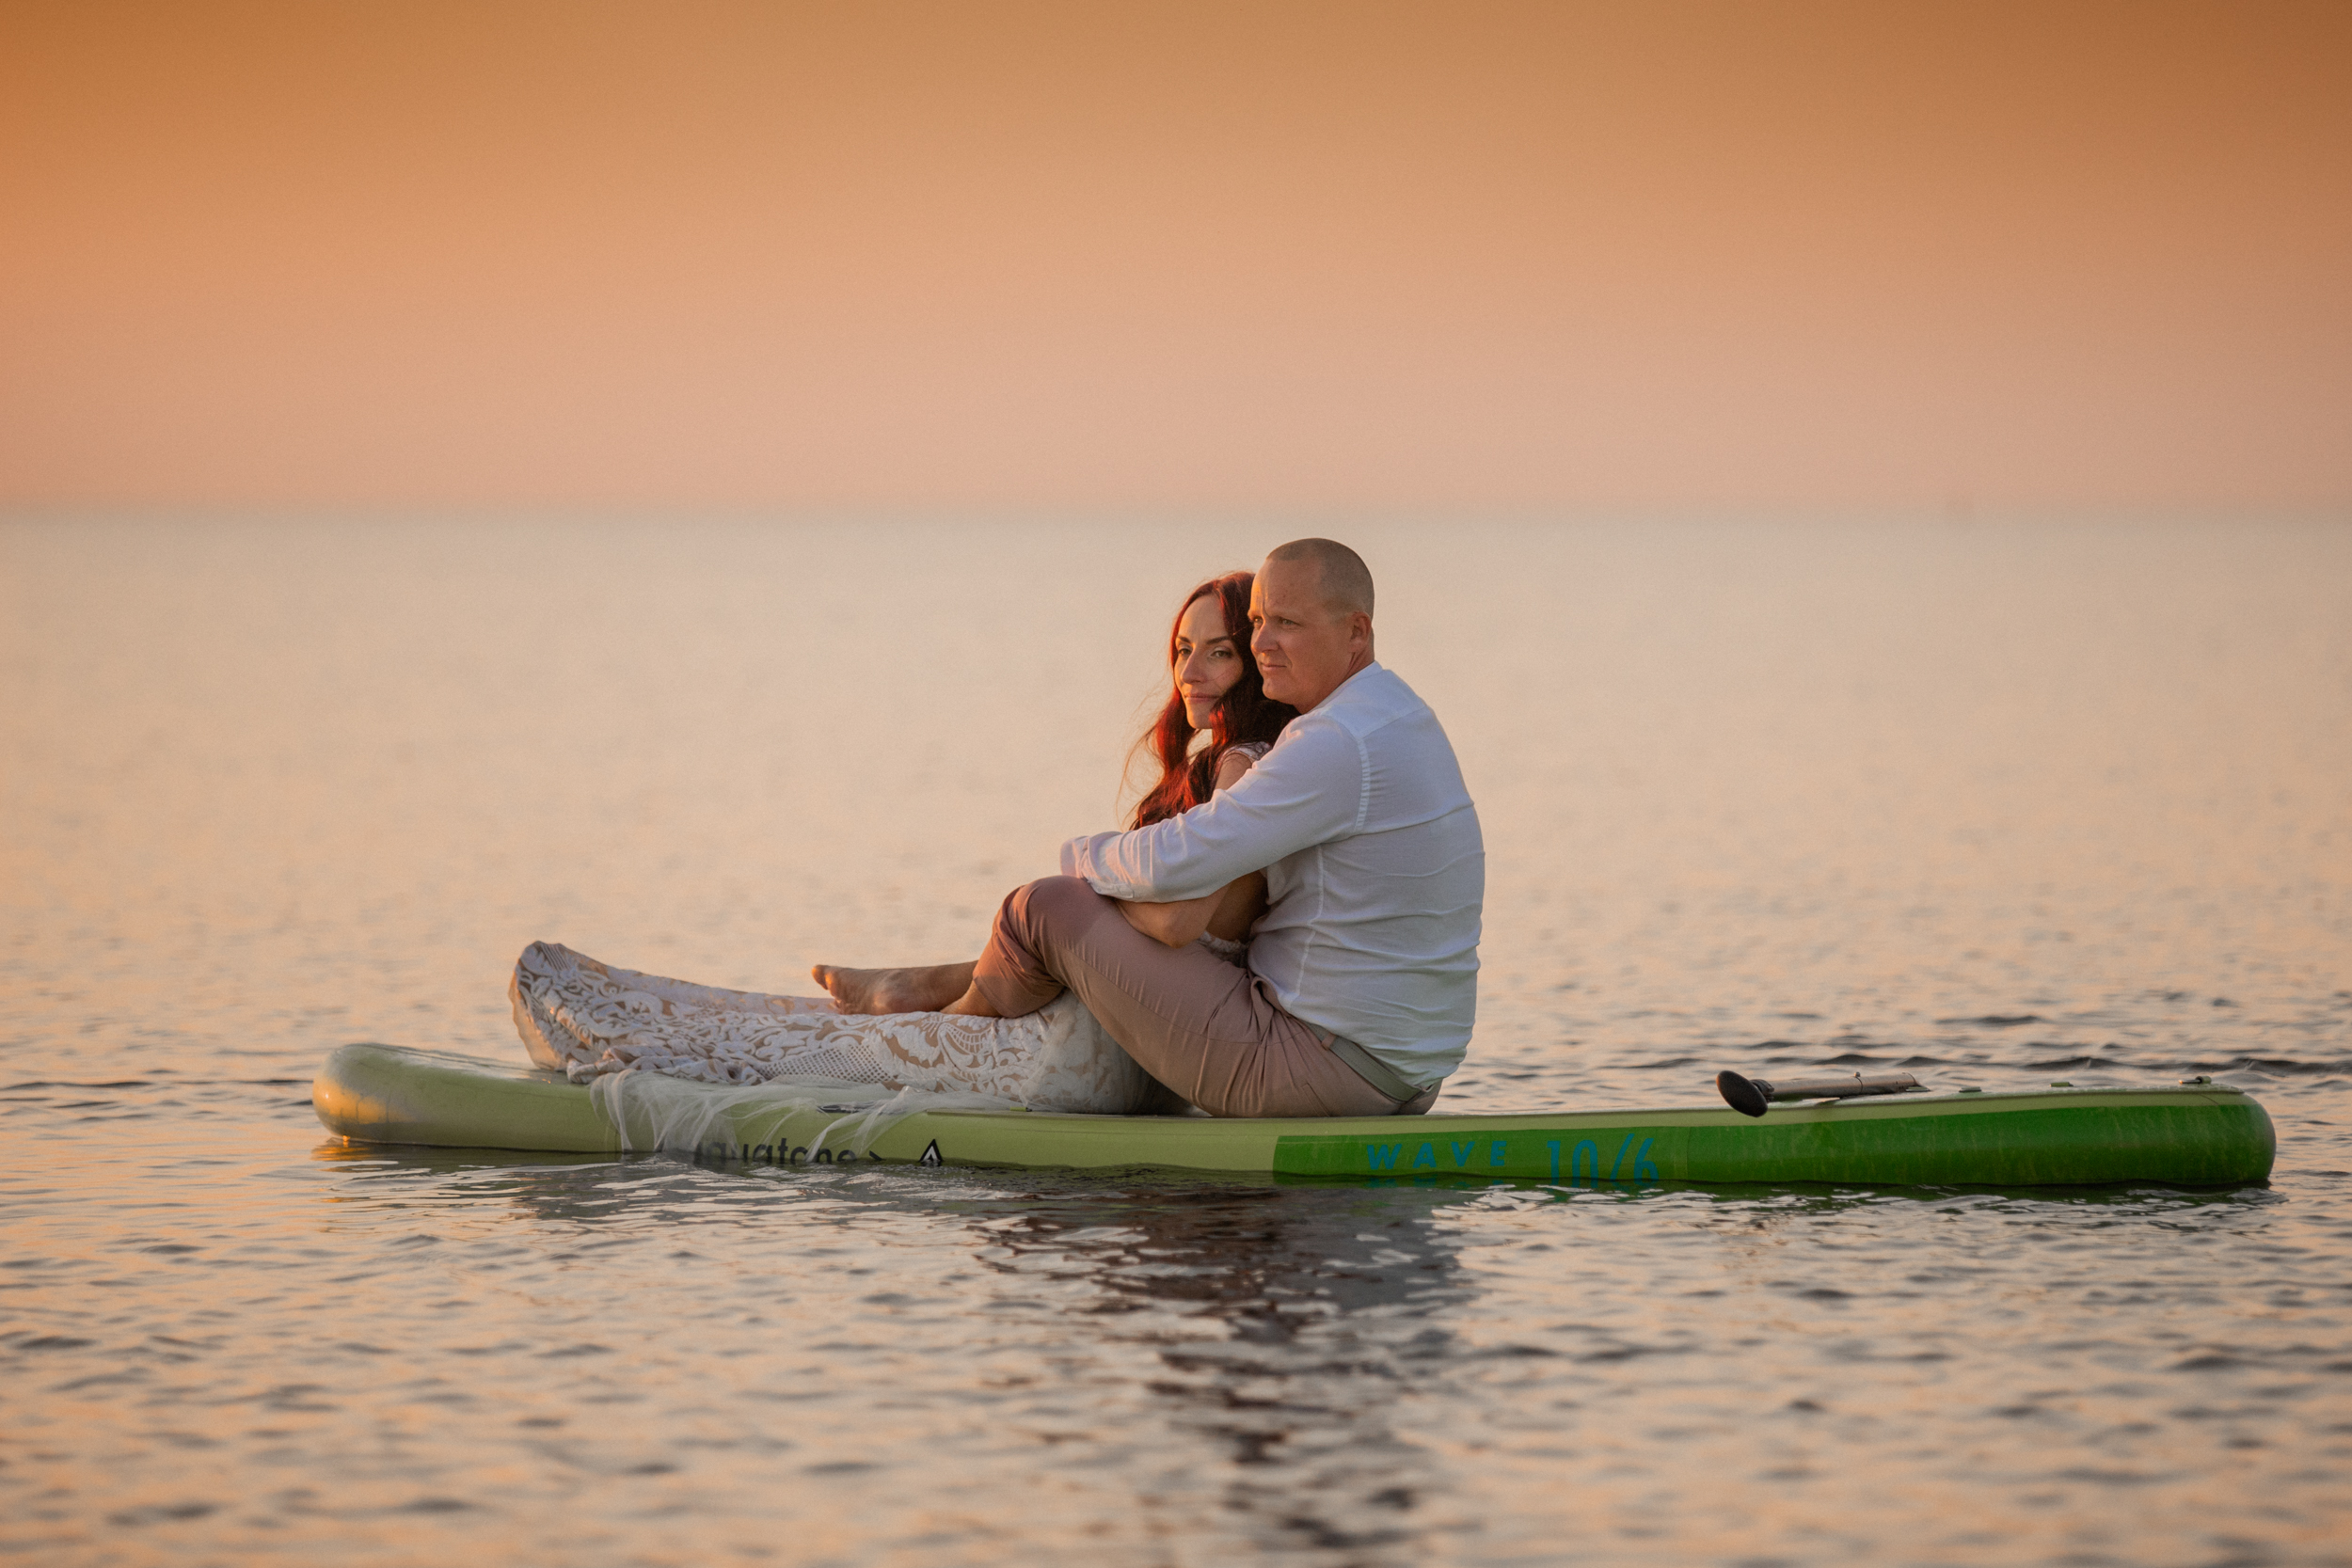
(593, 1020)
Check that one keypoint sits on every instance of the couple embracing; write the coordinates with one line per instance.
(1289, 929)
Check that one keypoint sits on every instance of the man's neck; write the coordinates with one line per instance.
(1357, 668)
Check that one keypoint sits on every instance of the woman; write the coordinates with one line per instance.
(591, 1019)
(1215, 690)
(1216, 693)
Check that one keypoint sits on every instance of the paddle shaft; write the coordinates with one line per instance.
(1753, 1096)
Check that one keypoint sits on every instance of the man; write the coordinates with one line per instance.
(1363, 972)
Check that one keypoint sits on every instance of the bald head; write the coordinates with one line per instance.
(1311, 619)
(1344, 580)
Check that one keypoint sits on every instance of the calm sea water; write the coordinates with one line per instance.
(1998, 804)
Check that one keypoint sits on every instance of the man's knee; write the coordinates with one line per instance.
(1060, 905)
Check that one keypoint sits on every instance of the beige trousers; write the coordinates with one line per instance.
(1205, 1028)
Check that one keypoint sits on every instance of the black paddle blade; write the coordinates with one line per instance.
(1743, 1095)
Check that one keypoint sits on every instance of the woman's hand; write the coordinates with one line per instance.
(1178, 924)
(1240, 901)
(1231, 910)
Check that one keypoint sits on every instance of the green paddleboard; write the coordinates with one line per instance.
(2190, 1135)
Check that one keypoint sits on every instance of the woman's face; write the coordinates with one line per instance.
(1208, 663)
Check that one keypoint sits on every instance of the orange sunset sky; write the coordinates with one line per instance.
(1551, 258)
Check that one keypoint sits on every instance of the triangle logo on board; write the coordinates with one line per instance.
(931, 1155)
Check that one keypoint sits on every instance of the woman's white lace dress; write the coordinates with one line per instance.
(590, 1019)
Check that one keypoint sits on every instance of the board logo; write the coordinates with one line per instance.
(931, 1155)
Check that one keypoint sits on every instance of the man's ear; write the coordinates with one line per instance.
(1359, 629)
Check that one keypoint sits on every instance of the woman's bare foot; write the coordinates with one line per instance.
(925, 988)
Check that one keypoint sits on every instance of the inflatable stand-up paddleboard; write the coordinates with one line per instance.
(2197, 1134)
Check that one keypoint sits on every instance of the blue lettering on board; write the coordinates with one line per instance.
(1425, 1156)
(1494, 1152)
(1585, 1151)
(1382, 1156)
(1554, 1145)
(1462, 1152)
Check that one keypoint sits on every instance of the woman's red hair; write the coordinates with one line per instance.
(1244, 714)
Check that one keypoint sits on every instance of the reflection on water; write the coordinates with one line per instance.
(1291, 1329)
(1332, 1309)
(1994, 805)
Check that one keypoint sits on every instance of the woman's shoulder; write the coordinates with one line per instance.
(1235, 760)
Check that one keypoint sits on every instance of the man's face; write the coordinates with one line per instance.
(1304, 648)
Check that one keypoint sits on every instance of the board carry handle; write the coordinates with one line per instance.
(1753, 1097)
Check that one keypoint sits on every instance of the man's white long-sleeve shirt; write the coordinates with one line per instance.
(1374, 873)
